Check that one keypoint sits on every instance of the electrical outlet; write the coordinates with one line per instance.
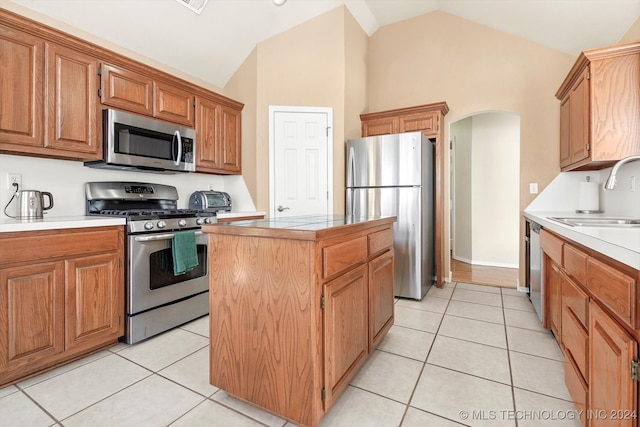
(14, 178)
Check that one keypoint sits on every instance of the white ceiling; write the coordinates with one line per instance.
(212, 45)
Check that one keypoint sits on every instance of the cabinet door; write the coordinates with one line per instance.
(382, 126)
(381, 298)
(426, 122)
(207, 136)
(21, 88)
(230, 139)
(94, 300)
(31, 317)
(579, 119)
(611, 388)
(565, 133)
(345, 330)
(72, 103)
(553, 291)
(126, 90)
(173, 104)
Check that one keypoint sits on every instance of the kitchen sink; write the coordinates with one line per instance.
(598, 222)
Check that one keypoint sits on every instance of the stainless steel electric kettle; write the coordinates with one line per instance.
(31, 204)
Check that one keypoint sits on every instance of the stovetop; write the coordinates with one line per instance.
(147, 207)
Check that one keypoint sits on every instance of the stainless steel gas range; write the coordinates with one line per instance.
(157, 299)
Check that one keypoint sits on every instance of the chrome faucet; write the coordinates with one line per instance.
(611, 181)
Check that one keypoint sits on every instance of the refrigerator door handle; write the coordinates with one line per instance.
(351, 162)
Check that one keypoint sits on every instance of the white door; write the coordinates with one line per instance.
(300, 161)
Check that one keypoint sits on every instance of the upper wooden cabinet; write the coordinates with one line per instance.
(138, 93)
(218, 137)
(21, 89)
(53, 87)
(600, 109)
(71, 114)
(427, 118)
(48, 100)
(126, 90)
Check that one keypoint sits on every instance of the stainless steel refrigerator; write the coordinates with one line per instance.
(394, 175)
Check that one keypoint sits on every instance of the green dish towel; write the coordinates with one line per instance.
(184, 251)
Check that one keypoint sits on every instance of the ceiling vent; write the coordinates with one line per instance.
(194, 5)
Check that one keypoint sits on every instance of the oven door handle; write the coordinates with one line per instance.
(156, 237)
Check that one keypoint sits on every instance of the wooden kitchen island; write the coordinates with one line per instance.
(296, 306)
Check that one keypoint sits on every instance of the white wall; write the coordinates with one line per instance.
(461, 182)
(487, 213)
(65, 180)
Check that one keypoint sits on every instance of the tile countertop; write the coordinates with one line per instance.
(58, 222)
(232, 214)
(621, 244)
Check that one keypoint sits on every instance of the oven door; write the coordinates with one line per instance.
(151, 280)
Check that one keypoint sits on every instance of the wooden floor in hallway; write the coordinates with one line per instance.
(483, 275)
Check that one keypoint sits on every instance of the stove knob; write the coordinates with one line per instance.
(148, 225)
(210, 220)
(200, 221)
(161, 224)
(182, 222)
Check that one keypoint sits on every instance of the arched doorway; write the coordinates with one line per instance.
(485, 176)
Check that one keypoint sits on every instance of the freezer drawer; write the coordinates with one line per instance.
(413, 235)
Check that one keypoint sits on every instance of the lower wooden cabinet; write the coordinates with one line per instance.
(553, 283)
(612, 390)
(58, 303)
(345, 329)
(296, 312)
(592, 302)
(381, 297)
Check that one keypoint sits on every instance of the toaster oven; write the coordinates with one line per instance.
(217, 201)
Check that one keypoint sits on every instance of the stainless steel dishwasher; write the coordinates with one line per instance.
(534, 267)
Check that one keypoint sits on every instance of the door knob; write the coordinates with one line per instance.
(282, 208)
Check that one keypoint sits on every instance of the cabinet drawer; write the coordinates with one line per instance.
(38, 245)
(614, 289)
(575, 340)
(574, 299)
(575, 263)
(342, 256)
(577, 388)
(379, 242)
(551, 245)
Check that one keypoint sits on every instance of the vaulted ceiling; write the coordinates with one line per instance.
(213, 44)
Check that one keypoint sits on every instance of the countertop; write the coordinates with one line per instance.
(309, 227)
(621, 244)
(232, 214)
(58, 222)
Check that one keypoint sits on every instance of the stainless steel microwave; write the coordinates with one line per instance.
(133, 142)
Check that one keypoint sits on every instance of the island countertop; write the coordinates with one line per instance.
(308, 227)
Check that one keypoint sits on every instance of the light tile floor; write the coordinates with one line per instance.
(465, 355)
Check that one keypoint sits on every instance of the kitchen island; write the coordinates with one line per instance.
(297, 305)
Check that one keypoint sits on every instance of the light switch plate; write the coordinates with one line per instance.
(533, 188)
